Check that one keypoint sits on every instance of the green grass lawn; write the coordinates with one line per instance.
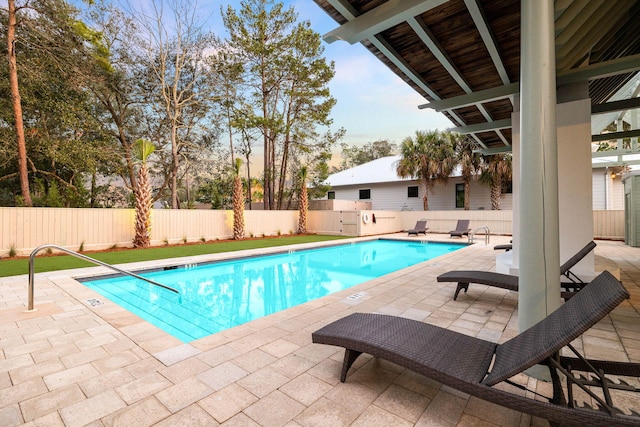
(14, 267)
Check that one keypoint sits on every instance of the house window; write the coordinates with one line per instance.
(412, 191)
(365, 194)
(331, 195)
(459, 195)
(507, 187)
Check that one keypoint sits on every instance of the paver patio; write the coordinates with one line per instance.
(73, 364)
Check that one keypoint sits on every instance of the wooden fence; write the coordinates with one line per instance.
(23, 229)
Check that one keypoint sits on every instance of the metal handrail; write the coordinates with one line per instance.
(86, 258)
(487, 234)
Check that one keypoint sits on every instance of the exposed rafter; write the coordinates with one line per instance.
(349, 13)
(480, 19)
(436, 49)
(627, 64)
(408, 71)
(624, 104)
(600, 70)
(580, 44)
(483, 127)
(344, 8)
(613, 153)
(615, 135)
(379, 19)
(481, 96)
(476, 45)
(497, 150)
(432, 44)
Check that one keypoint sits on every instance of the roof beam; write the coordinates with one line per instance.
(618, 157)
(344, 8)
(624, 104)
(427, 37)
(497, 150)
(627, 64)
(619, 162)
(614, 67)
(503, 138)
(612, 153)
(482, 24)
(408, 71)
(615, 135)
(375, 21)
(483, 127)
(350, 14)
(581, 43)
(481, 96)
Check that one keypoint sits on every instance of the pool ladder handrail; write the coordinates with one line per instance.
(487, 234)
(86, 258)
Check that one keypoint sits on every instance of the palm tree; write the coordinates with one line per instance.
(238, 202)
(143, 149)
(428, 157)
(470, 162)
(303, 203)
(496, 172)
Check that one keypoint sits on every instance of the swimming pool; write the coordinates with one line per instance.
(220, 295)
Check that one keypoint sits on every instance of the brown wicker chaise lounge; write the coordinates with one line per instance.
(462, 229)
(510, 282)
(505, 248)
(420, 227)
(474, 366)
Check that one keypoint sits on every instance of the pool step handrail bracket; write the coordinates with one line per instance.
(86, 258)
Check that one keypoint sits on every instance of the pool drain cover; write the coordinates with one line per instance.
(356, 296)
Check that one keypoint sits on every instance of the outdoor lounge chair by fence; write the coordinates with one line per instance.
(473, 365)
(462, 229)
(510, 282)
(420, 227)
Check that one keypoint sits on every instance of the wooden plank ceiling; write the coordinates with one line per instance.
(463, 56)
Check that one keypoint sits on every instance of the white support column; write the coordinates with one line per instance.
(539, 249)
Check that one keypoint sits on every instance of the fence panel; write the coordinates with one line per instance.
(608, 224)
(23, 229)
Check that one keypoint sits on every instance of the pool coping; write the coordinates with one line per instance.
(279, 250)
(67, 280)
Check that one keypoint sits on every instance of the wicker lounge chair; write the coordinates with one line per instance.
(474, 366)
(505, 248)
(462, 229)
(510, 282)
(420, 227)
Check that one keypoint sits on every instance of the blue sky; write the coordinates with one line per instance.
(372, 102)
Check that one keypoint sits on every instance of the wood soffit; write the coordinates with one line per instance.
(463, 56)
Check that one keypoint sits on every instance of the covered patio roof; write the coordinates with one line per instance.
(463, 56)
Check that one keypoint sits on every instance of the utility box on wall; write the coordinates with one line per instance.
(632, 209)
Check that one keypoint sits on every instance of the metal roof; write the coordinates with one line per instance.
(463, 56)
(374, 172)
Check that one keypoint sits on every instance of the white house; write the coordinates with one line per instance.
(378, 183)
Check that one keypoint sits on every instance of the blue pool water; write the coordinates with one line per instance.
(218, 296)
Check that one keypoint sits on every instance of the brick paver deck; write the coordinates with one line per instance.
(72, 364)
